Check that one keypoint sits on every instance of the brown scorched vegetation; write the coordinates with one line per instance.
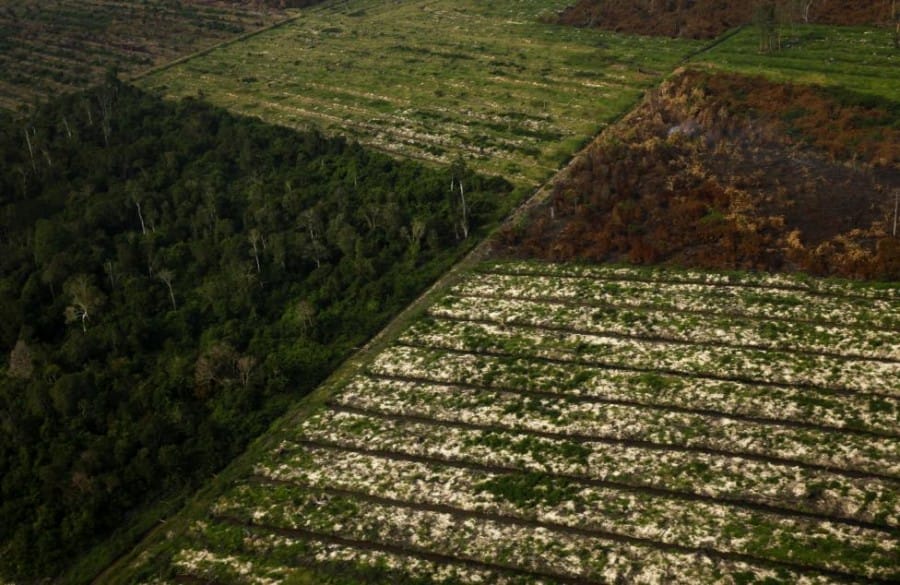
(50, 47)
(727, 172)
(707, 19)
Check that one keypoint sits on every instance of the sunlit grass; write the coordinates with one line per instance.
(486, 81)
(859, 59)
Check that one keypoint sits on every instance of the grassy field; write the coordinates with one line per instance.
(435, 80)
(861, 59)
(563, 424)
(53, 46)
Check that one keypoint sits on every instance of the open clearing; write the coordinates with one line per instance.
(859, 59)
(53, 46)
(564, 424)
(435, 80)
(721, 171)
(550, 423)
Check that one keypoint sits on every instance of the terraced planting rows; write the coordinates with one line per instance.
(563, 424)
(53, 46)
(435, 80)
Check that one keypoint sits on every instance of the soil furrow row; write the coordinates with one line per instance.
(562, 396)
(580, 438)
(602, 483)
(571, 530)
(648, 370)
(402, 550)
(650, 307)
(654, 339)
(749, 285)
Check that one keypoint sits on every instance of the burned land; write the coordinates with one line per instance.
(707, 19)
(720, 171)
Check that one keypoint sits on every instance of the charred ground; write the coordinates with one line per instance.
(721, 171)
(707, 19)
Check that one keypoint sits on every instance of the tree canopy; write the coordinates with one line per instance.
(172, 276)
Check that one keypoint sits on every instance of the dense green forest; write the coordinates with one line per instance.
(171, 277)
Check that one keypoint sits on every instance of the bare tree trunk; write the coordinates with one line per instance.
(141, 217)
(171, 295)
(106, 98)
(111, 273)
(896, 18)
(166, 276)
(30, 150)
(896, 209)
(806, 6)
(465, 218)
(254, 237)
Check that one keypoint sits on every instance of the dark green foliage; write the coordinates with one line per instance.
(171, 276)
(530, 489)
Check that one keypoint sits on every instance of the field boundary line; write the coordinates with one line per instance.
(242, 37)
(715, 43)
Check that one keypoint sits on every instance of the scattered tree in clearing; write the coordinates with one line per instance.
(895, 17)
(458, 172)
(765, 18)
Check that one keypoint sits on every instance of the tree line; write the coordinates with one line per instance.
(171, 278)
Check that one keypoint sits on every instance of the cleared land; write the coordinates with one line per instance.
(53, 46)
(710, 18)
(780, 161)
(436, 80)
(562, 424)
(860, 59)
(551, 423)
(722, 171)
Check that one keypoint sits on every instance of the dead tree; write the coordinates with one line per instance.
(166, 276)
(255, 238)
(30, 150)
(457, 174)
(767, 26)
(85, 300)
